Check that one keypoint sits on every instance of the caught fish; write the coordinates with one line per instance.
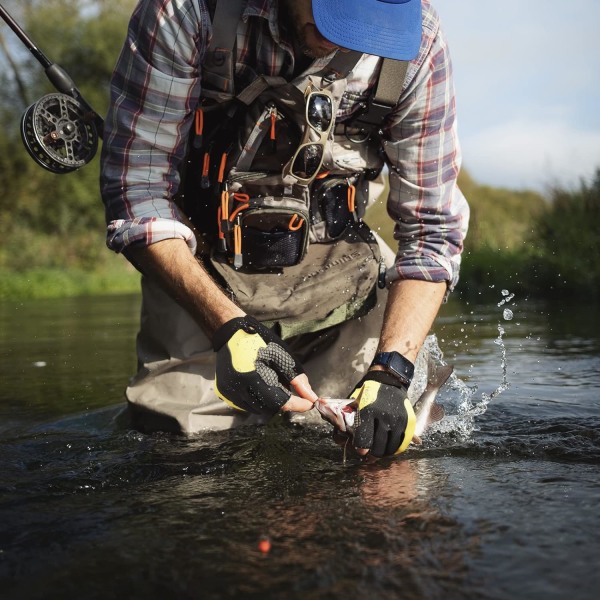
(427, 410)
(341, 412)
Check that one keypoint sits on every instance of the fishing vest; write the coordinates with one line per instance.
(295, 254)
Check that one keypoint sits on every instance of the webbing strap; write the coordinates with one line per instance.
(257, 87)
(220, 58)
(387, 93)
(391, 80)
(340, 65)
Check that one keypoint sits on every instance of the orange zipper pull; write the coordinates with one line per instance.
(292, 225)
(224, 216)
(204, 180)
(222, 165)
(238, 260)
(352, 201)
(225, 205)
(273, 132)
(198, 127)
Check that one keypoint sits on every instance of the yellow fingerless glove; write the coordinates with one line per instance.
(254, 369)
(385, 420)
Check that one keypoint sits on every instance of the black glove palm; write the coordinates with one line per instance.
(254, 370)
(385, 420)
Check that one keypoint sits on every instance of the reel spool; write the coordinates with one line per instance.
(57, 134)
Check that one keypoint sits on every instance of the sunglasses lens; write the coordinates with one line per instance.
(319, 111)
(308, 161)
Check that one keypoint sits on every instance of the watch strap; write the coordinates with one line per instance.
(397, 364)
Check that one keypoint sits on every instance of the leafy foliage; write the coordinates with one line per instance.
(522, 241)
(501, 218)
(567, 238)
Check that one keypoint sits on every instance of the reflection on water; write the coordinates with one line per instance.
(506, 484)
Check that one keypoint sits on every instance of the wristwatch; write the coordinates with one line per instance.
(396, 364)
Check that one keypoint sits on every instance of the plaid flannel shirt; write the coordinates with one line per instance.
(155, 89)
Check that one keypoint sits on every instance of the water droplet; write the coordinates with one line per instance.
(507, 314)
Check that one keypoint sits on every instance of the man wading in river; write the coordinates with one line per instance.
(243, 142)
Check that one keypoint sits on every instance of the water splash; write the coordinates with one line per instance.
(507, 298)
(456, 396)
(480, 407)
(460, 400)
(504, 385)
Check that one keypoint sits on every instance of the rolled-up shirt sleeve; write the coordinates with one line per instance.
(154, 91)
(431, 214)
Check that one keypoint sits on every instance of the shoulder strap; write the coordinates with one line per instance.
(220, 56)
(340, 65)
(387, 94)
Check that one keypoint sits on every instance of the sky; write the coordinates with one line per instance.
(527, 78)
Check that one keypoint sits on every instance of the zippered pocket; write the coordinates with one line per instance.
(336, 202)
(270, 144)
(270, 237)
(261, 234)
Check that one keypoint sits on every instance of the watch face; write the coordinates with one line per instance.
(397, 364)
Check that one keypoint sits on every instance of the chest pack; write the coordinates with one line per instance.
(278, 217)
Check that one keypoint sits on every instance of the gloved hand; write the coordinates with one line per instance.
(255, 371)
(385, 419)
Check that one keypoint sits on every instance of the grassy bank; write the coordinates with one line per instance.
(62, 283)
(37, 264)
(59, 283)
(542, 247)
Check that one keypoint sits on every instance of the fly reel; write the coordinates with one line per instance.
(58, 133)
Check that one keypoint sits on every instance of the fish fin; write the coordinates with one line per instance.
(436, 413)
(417, 440)
(437, 375)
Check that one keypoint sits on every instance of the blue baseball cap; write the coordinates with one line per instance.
(388, 28)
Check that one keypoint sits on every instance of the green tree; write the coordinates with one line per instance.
(568, 238)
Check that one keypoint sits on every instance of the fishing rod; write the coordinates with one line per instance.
(61, 130)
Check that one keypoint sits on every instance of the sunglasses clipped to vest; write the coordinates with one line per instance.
(307, 160)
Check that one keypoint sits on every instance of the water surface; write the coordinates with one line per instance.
(499, 502)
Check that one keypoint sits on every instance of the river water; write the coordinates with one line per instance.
(501, 500)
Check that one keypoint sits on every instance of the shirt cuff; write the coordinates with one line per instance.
(426, 268)
(144, 231)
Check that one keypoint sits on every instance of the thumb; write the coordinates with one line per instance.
(305, 398)
(297, 404)
(302, 387)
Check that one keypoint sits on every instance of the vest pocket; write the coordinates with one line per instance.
(271, 237)
(336, 203)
